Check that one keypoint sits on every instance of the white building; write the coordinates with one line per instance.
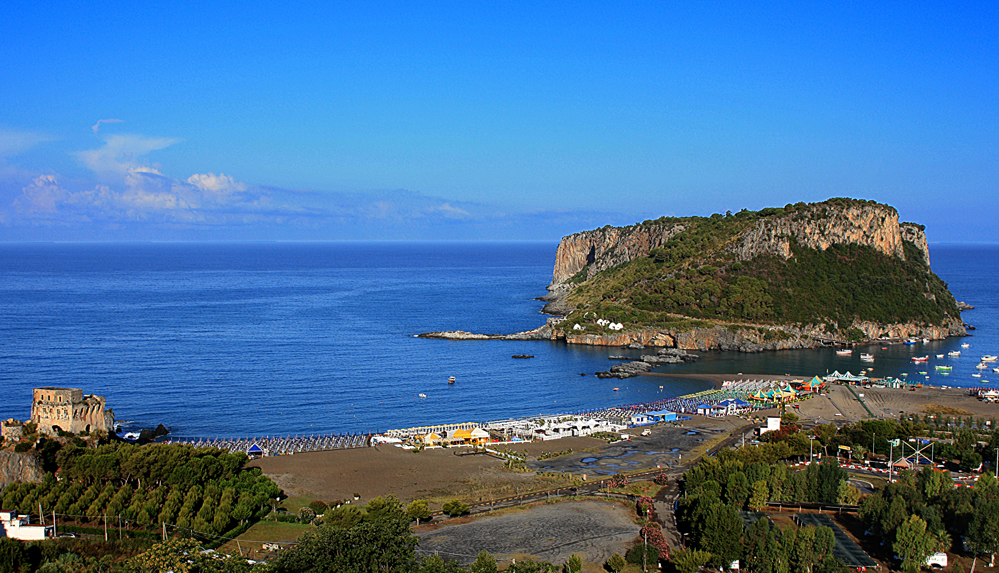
(18, 527)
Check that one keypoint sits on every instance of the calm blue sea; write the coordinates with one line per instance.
(298, 338)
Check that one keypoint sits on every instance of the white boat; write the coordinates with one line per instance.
(926, 341)
(451, 380)
(954, 353)
(981, 366)
(996, 369)
(920, 358)
(977, 375)
(990, 358)
(867, 357)
(965, 345)
(940, 355)
(846, 352)
(421, 395)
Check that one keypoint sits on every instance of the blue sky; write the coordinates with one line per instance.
(522, 121)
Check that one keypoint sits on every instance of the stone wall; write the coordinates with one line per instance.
(68, 410)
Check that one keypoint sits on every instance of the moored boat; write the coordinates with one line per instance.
(845, 352)
(944, 368)
(867, 357)
(981, 366)
(990, 358)
(954, 353)
(451, 380)
(921, 358)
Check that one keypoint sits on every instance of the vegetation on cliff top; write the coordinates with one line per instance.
(696, 275)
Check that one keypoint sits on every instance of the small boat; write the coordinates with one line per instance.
(926, 341)
(616, 389)
(976, 375)
(421, 395)
(981, 366)
(990, 358)
(995, 369)
(909, 342)
(965, 345)
(923, 372)
(920, 358)
(867, 357)
(846, 352)
(944, 368)
(954, 353)
(940, 355)
(451, 380)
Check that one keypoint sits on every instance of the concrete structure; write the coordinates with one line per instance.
(18, 527)
(68, 410)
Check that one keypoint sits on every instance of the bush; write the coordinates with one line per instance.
(454, 508)
(318, 506)
(22, 447)
(616, 563)
(634, 555)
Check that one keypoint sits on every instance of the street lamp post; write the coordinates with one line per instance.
(891, 464)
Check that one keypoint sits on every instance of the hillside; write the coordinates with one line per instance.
(789, 277)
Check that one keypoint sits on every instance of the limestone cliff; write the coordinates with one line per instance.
(16, 467)
(607, 247)
(793, 277)
(816, 226)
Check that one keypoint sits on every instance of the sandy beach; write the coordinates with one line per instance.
(439, 474)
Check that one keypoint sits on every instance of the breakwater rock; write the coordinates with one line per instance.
(544, 332)
(648, 361)
(19, 467)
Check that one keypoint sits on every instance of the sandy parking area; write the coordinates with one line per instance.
(547, 532)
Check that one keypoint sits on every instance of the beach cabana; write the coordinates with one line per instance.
(254, 451)
(813, 385)
(431, 439)
(461, 437)
(478, 436)
(704, 409)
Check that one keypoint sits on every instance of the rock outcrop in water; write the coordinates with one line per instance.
(801, 276)
(596, 270)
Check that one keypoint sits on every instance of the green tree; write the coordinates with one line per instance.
(484, 563)
(762, 549)
(418, 509)
(759, 496)
(383, 545)
(574, 564)
(722, 534)
(689, 560)
(913, 543)
(454, 508)
(12, 555)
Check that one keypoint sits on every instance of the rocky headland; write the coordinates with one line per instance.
(802, 276)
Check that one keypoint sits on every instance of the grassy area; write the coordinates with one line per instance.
(250, 542)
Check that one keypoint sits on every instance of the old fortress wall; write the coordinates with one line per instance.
(68, 410)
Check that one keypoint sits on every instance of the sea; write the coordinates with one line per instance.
(284, 339)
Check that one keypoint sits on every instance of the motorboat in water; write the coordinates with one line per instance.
(845, 352)
(451, 380)
(990, 358)
(965, 345)
(940, 355)
(954, 353)
(867, 357)
(944, 368)
(981, 366)
(921, 358)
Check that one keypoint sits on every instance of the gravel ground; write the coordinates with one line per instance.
(548, 532)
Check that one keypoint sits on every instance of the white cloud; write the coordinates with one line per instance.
(449, 212)
(17, 142)
(220, 184)
(121, 152)
(97, 126)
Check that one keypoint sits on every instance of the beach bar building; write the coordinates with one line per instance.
(19, 527)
